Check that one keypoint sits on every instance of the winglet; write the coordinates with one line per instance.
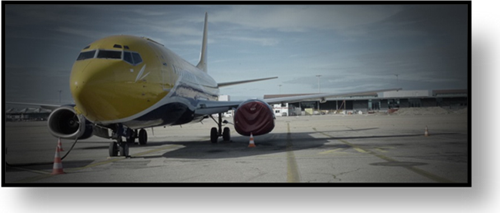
(202, 65)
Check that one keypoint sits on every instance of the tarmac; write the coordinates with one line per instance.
(325, 149)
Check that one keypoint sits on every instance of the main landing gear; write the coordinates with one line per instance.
(215, 132)
(120, 147)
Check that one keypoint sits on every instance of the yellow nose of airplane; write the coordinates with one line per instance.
(110, 90)
(117, 78)
(93, 86)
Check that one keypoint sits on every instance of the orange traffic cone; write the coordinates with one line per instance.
(59, 144)
(426, 133)
(57, 168)
(251, 144)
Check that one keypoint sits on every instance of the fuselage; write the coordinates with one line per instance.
(137, 82)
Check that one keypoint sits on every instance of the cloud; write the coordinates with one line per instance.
(88, 33)
(260, 41)
(443, 23)
(300, 18)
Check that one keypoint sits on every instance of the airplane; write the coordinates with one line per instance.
(123, 84)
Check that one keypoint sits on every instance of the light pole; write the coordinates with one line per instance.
(318, 82)
(318, 92)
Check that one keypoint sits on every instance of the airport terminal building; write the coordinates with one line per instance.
(27, 114)
(374, 102)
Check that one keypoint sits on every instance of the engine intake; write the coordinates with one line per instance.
(64, 123)
(255, 117)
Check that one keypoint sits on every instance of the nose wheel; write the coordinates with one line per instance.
(113, 149)
(120, 147)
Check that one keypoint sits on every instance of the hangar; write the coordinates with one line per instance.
(374, 102)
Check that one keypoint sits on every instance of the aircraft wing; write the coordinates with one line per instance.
(315, 97)
(44, 106)
(243, 82)
(212, 107)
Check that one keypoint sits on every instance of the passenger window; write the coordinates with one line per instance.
(86, 55)
(110, 54)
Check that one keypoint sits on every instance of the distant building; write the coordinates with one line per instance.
(27, 114)
(224, 98)
(371, 102)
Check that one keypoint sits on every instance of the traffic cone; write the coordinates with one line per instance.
(251, 144)
(59, 144)
(57, 168)
(426, 133)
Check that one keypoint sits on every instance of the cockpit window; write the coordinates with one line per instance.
(137, 58)
(86, 55)
(132, 57)
(127, 56)
(110, 54)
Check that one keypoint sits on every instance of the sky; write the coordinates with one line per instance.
(353, 47)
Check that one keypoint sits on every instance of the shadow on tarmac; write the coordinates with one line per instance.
(238, 147)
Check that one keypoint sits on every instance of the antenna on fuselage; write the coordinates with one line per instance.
(202, 65)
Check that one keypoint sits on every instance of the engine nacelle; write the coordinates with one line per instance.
(64, 123)
(255, 117)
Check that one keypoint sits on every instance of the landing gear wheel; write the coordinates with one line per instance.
(214, 135)
(130, 136)
(113, 149)
(143, 137)
(124, 149)
(226, 135)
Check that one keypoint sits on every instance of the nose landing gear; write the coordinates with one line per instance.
(120, 147)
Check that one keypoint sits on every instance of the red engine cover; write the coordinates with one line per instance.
(254, 117)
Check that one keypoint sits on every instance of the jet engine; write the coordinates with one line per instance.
(255, 117)
(64, 123)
